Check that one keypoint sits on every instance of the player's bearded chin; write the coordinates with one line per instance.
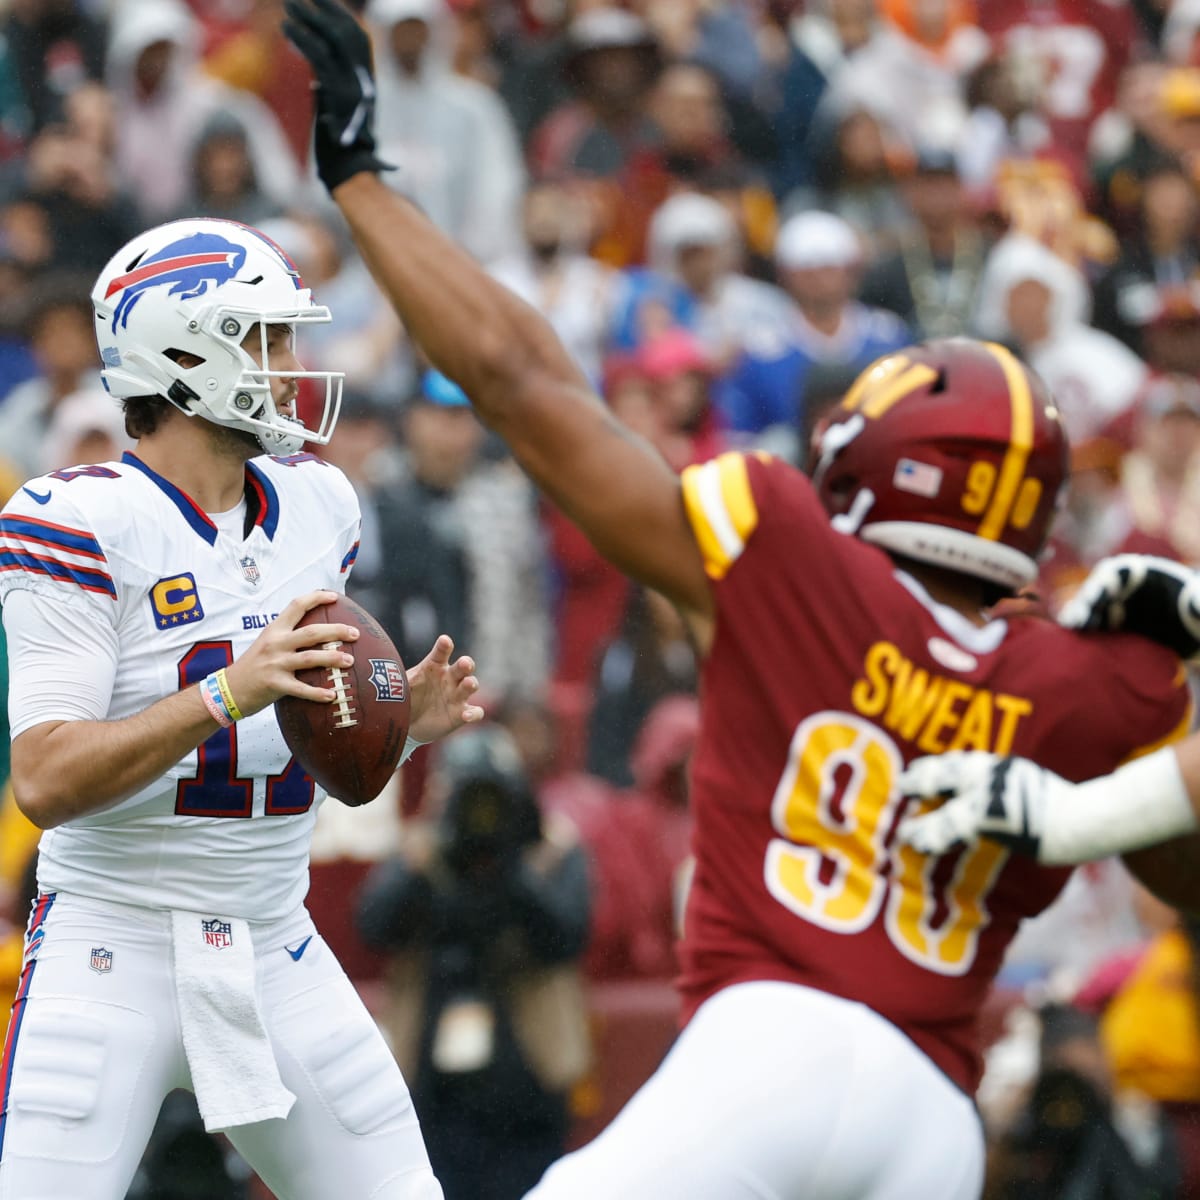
(240, 443)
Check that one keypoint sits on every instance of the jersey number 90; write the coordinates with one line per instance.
(835, 809)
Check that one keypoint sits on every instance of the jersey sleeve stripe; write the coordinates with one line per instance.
(735, 490)
(721, 510)
(348, 561)
(90, 581)
(77, 541)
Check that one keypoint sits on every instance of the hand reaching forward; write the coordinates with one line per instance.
(1000, 798)
(441, 693)
(1035, 812)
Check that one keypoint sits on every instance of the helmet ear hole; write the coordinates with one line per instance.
(185, 358)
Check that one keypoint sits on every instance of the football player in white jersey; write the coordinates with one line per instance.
(151, 608)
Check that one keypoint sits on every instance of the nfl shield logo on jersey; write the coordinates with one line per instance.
(217, 933)
(388, 678)
(250, 569)
(102, 959)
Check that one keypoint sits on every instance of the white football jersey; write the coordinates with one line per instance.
(172, 597)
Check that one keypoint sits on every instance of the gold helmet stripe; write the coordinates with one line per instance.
(1020, 443)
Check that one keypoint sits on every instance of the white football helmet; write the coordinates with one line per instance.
(199, 287)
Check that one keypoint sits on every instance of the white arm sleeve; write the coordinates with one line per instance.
(61, 661)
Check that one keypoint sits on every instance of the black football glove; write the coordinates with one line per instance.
(339, 50)
(1139, 593)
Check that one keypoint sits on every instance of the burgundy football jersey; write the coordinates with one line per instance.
(1077, 49)
(829, 670)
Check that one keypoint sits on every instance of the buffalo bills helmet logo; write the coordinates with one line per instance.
(189, 265)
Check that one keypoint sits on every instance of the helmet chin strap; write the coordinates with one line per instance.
(277, 441)
(851, 520)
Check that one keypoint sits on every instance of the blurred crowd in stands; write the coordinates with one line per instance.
(726, 208)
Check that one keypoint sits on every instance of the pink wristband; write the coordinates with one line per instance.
(215, 710)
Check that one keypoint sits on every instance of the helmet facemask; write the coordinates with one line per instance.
(175, 323)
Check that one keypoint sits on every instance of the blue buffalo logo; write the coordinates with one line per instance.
(190, 265)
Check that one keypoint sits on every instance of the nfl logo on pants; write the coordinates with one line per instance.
(217, 933)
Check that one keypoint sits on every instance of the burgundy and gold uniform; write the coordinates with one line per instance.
(831, 977)
(829, 669)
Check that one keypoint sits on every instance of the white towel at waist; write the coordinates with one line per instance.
(234, 1073)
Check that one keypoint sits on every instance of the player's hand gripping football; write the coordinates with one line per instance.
(1139, 593)
(267, 670)
(339, 51)
(441, 693)
(1004, 799)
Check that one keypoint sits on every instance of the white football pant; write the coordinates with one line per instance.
(780, 1092)
(96, 1047)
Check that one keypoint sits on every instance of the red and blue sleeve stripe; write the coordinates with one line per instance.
(348, 561)
(44, 548)
(33, 937)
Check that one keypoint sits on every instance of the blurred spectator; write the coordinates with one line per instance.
(638, 843)
(1170, 325)
(650, 658)
(256, 57)
(164, 100)
(611, 61)
(60, 331)
(1164, 251)
(70, 186)
(693, 281)
(853, 179)
(1035, 300)
(223, 180)
(53, 47)
(822, 36)
(923, 51)
(555, 275)
(485, 913)
(462, 552)
(1094, 520)
(1003, 122)
(364, 338)
(451, 138)
(1161, 474)
(365, 447)
(1072, 1138)
(87, 426)
(931, 282)
(1159, 119)
(1073, 52)
(689, 142)
(681, 387)
(819, 259)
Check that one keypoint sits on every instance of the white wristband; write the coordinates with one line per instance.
(1139, 805)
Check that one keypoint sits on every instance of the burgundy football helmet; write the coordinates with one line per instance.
(952, 453)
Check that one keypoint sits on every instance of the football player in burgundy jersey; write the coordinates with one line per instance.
(831, 977)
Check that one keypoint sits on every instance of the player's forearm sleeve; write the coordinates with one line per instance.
(62, 662)
(1142, 804)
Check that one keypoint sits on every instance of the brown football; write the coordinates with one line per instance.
(351, 746)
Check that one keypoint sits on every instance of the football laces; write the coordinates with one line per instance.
(343, 693)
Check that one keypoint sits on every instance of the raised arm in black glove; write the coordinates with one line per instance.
(339, 50)
(1140, 593)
